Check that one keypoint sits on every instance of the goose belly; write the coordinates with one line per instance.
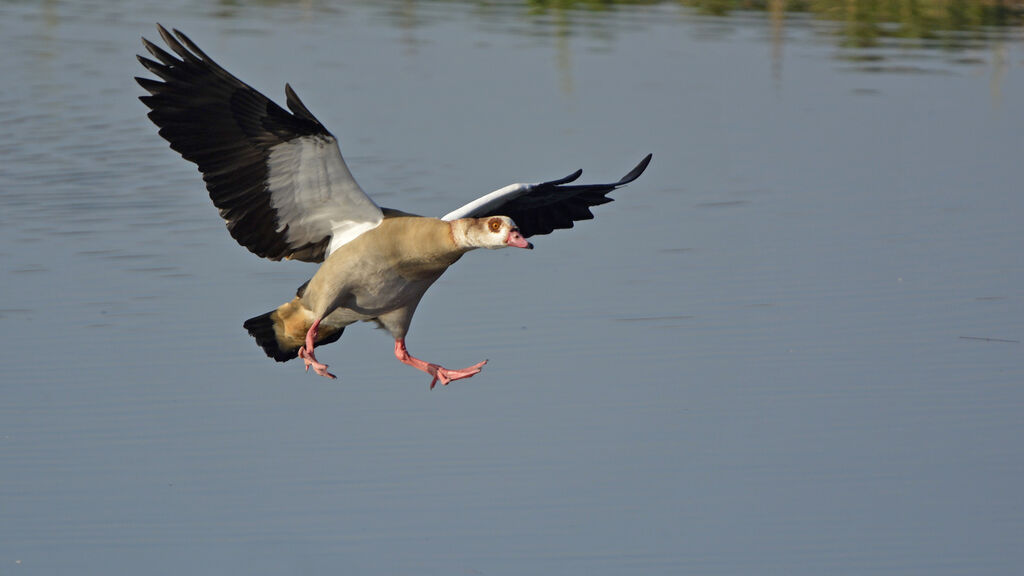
(376, 294)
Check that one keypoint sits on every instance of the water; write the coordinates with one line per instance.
(792, 347)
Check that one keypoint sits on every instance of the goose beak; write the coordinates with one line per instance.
(516, 240)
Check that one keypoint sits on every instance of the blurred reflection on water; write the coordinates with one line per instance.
(792, 347)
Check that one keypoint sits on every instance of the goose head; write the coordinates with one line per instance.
(491, 232)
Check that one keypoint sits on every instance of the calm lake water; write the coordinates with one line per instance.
(792, 347)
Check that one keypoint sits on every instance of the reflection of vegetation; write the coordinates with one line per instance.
(596, 5)
(861, 23)
(865, 22)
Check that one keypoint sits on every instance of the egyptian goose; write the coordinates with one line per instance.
(284, 190)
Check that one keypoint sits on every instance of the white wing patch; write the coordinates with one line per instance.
(485, 204)
(315, 195)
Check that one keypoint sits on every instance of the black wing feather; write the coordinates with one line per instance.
(555, 205)
(227, 128)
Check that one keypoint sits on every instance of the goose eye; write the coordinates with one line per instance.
(494, 224)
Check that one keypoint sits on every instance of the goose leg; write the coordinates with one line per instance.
(436, 370)
(306, 353)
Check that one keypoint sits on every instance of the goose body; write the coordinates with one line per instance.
(285, 192)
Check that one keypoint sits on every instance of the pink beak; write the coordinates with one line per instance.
(516, 240)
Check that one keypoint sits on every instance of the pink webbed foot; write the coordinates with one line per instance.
(438, 372)
(446, 375)
(318, 367)
(306, 353)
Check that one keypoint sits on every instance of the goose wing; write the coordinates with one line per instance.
(277, 177)
(547, 206)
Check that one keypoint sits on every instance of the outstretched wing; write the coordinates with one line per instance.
(547, 206)
(278, 178)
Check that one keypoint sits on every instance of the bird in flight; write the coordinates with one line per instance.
(285, 192)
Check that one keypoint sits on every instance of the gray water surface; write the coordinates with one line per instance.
(792, 347)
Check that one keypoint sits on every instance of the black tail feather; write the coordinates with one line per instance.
(262, 329)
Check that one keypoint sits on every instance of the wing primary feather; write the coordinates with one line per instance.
(296, 105)
(547, 206)
(193, 49)
(277, 178)
(159, 53)
(570, 178)
(636, 171)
